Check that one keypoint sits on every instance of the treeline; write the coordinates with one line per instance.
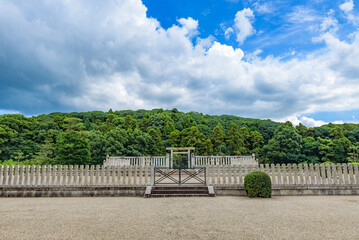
(86, 138)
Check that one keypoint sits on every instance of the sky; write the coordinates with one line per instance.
(274, 59)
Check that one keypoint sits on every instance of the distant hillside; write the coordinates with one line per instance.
(87, 137)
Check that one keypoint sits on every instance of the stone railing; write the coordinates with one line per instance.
(289, 175)
(218, 175)
(74, 175)
(224, 160)
(162, 161)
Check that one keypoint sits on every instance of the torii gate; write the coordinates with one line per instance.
(181, 150)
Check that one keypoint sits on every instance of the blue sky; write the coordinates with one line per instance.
(283, 60)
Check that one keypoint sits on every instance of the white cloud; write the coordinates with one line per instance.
(329, 23)
(308, 122)
(302, 14)
(86, 55)
(263, 8)
(243, 24)
(347, 6)
(228, 32)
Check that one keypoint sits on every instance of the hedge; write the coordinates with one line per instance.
(258, 184)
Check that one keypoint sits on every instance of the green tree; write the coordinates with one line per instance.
(157, 148)
(175, 138)
(285, 146)
(97, 146)
(326, 150)
(336, 133)
(72, 149)
(256, 141)
(311, 149)
(115, 141)
(234, 140)
(139, 143)
(217, 136)
(73, 124)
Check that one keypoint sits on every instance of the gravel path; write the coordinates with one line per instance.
(310, 217)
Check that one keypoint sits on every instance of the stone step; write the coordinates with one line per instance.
(179, 191)
(178, 195)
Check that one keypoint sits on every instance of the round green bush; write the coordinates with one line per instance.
(258, 184)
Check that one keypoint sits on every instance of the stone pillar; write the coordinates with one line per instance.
(107, 161)
(254, 157)
(167, 160)
(189, 158)
(153, 174)
(207, 175)
(171, 166)
(192, 160)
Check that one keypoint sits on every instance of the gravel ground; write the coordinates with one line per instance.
(309, 217)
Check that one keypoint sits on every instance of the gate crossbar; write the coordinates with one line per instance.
(188, 175)
(195, 176)
(165, 176)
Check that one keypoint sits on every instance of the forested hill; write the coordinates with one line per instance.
(86, 138)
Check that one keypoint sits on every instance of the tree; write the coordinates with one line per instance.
(234, 140)
(311, 149)
(302, 130)
(217, 136)
(336, 133)
(130, 122)
(256, 141)
(97, 146)
(139, 143)
(326, 150)
(73, 124)
(47, 151)
(354, 135)
(72, 149)
(157, 148)
(285, 146)
(115, 141)
(353, 154)
(175, 138)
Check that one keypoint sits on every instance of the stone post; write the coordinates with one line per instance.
(192, 161)
(153, 175)
(207, 175)
(107, 161)
(167, 160)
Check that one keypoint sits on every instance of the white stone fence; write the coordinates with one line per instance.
(164, 161)
(224, 160)
(290, 175)
(161, 161)
(74, 175)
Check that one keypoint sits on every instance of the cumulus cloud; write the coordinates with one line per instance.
(347, 6)
(243, 24)
(329, 23)
(83, 55)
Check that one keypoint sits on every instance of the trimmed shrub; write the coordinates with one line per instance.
(258, 184)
